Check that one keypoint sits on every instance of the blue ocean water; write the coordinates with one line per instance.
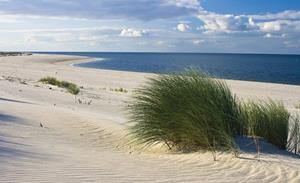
(251, 67)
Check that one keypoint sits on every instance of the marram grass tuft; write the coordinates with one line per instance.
(188, 111)
(193, 111)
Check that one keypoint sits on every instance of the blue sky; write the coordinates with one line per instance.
(235, 26)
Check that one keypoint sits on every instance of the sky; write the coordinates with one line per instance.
(204, 26)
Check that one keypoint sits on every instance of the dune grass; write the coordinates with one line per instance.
(120, 89)
(187, 111)
(294, 135)
(50, 80)
(297, 106)
(71, 87)
(192, 111)
(267, 119)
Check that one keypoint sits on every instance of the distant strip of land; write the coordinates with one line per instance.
(5, 54)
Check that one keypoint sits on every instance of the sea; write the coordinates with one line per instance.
(272, 68)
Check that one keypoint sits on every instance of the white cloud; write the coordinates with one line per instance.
(198, 42)
(285, 15)
(224, 22)
(54, 30)
(183, 27)
(195, 4)
(268, 35)
(270, 26)
(292, 43)
(160, 42)
(280, 26)
(87, 34)
(283, 26)
(30, 39)
(4, 18)
(268, 23)
(132, 33)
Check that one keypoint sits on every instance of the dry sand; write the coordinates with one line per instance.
(86, 143)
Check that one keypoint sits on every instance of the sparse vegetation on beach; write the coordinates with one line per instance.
(122, 90)
(71, 87)
(193, 111)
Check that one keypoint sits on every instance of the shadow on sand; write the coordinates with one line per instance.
(17, 101)
(247, 145)
(14, 146)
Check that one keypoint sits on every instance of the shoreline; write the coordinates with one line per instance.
(80, 142)
(91, 59)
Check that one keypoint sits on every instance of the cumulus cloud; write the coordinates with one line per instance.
(224, 22)
(287, 20)
(280, 25)
(228, 23)
(284, 25)
(270, 26)
(182, 27)
(132, 33)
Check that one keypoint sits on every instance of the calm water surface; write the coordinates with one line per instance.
(251, 67)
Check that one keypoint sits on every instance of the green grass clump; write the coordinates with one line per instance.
(297, 106)
(267, 119)
(50, 80)
(122, 90)
(188, 111)
(71, 87)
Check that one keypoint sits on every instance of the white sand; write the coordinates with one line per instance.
(86, 143)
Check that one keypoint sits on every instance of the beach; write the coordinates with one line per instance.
(47, 135)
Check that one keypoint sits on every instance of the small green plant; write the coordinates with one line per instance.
(71, 87)
(267, 119)
(50, 80)
(297, 106)
(122, 90)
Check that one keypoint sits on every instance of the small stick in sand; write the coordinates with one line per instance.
(41, 125)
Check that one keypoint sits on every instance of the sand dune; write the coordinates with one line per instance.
(87, 143)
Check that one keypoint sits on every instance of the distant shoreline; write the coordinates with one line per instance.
(6, 54)
(63, 52)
